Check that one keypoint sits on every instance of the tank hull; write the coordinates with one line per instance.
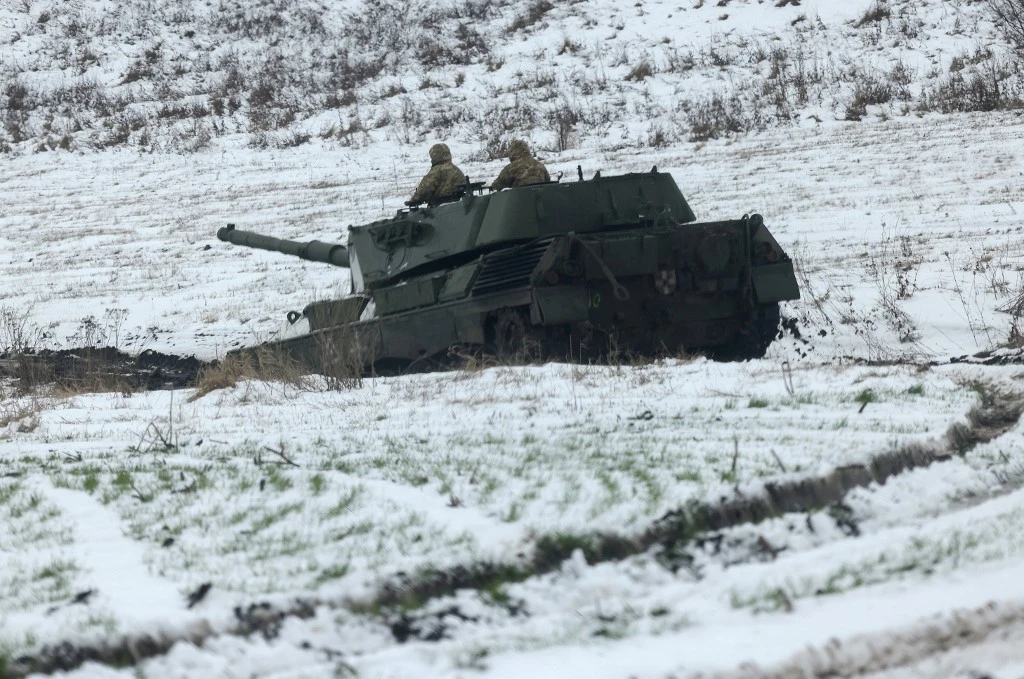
(710, 287)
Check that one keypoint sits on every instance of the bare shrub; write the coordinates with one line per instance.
(1009, 17)
(347, 73)
(876, 13)
(340, 358)
(991, 86)
(640, 71)
(347, 134)
(568, 46)
(292, 139)
(181, 111)
(1015, 335)
(17, 95)
(895, 269)
(346, 98)
(19, 333)
(190, 137)
(252, 20)
(500, 119)
(495, 147)
(564, 117)
(465, 47)
(679, 61)
(534, 13)
(660, 135)
(718, 115)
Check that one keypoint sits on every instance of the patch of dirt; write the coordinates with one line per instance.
(426, 626)
(101, 369)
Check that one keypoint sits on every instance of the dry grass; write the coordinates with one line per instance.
(256, 364)
(25, 413)
(36, 374)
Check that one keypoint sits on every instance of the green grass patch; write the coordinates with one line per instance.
(123, 480)
(279, 481)
(757, 403)
(273, 516)
(345, 503)
(317, 483)
(8, 491)
(331, 573)
(866, 396)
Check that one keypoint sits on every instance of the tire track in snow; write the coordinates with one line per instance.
(115, 564)
(445, 513)
(677, 529)
(996, 415)
(993, 633)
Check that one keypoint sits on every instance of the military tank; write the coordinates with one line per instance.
(579, 269)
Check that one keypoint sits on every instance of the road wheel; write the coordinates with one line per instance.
(513, 337)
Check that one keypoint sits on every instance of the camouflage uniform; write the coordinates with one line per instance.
(522, 170)
(443, 179)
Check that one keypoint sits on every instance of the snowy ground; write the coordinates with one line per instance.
(143, 497)
(906, 229)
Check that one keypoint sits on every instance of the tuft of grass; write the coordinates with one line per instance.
(123, 480)
(331, 573)
(317, 483)
(259, 364)
(640, 72)
(866, 396)
(877, 12)
(344, 503)
(757, 403)
(534, 13)
(8, 491)
(279, 481)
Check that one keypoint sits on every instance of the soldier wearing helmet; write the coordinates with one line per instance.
(522, 169)
(443, 180)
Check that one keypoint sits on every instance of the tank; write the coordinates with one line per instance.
(578, 270)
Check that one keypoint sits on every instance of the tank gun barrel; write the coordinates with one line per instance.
(314, 251)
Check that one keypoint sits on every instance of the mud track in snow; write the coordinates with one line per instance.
(997, 414)
(101, 369)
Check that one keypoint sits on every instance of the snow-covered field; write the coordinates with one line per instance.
(296, 498)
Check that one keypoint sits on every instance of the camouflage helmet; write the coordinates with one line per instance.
(440, 153)
(517, 149)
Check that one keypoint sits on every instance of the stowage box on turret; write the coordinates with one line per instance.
(574, 270)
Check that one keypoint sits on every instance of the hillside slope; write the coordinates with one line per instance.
(183, 76)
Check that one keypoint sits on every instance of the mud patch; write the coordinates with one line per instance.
(261, 618)
(101, 369)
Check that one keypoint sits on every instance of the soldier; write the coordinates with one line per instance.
(522, 169)
(441, 182)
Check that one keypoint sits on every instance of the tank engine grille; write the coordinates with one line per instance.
(509, 269)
